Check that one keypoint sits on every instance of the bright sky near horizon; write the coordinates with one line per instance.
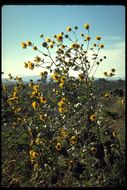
(27, 22)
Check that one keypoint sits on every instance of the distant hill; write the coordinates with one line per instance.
(26, 79)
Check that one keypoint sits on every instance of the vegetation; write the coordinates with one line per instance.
(68, 132)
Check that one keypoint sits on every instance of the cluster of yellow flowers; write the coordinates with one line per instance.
(13, 98)
(60, 79)
(55, 77)
(61, 104)
(28, 43)
(29, 65)
(37, 94)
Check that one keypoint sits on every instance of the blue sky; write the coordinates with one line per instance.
(27, 22)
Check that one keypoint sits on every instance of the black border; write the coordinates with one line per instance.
(66, 2)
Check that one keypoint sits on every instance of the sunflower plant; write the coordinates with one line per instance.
(59, 129)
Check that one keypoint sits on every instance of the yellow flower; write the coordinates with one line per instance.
(38, 141)
(25, 65)
(61, 110)
(28, 43)
(19, 119)
(55, 77)
(77, 46)
(37, 59)
(61, 85)
(33, 154)
(62, 46)
(93, 117)
(86, 26)
(47, 40)
(58, 146)
(13, 125)
(81, 76)
(68, 29)
(93, 150)
(43, 100)
(42, 117)
(61, 104)
(53, 42)
(19, 109)
(34, 94)
(63, 78)
(14, 94)
(98, 38)
(30, 65)
(71, 163)
(88, 38)
(64, 134)
(24, 45)
(51, 46)
(35, 47)
(36, 87)
(107, 95)
(73, 46)
(94, 45)
(114, 134)
(101, 45)
(63, 99)
(34, 104)
(73, 140)
(59, 37)
(123, 101)
(57, 92)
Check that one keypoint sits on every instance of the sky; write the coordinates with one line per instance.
(27, 22)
